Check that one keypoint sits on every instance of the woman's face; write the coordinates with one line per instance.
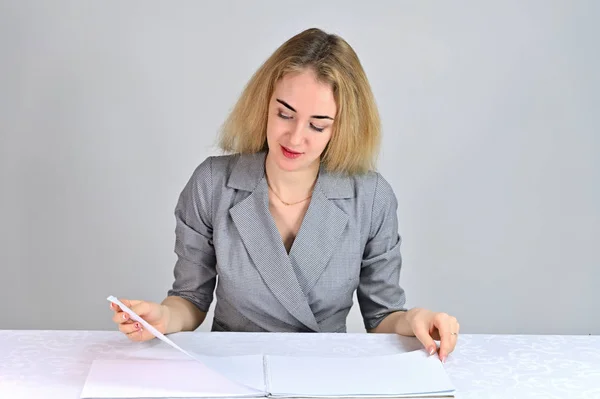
(300, 120)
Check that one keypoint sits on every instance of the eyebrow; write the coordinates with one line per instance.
(292, 108)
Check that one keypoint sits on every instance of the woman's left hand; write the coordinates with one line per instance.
(429, 326)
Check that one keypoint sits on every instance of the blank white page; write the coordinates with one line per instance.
(406, 374)
(142, 378)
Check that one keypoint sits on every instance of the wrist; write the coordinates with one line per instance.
(167, 312)
(402, 325)
(410, 316)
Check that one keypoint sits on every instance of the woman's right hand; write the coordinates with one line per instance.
(155, 314)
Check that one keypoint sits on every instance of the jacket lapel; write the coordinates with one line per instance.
(262, 240)
(319, 234)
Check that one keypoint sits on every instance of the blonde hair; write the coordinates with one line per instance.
(355, 139)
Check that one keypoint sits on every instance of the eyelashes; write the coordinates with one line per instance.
(287, 117)
(283, 116)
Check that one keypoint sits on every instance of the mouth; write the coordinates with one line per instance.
(289, 153)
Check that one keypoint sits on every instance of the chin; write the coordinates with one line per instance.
(290, 166)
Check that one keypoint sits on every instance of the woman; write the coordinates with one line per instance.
(295, 219)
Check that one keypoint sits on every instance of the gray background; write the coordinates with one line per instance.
(490, 115)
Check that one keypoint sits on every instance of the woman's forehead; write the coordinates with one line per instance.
(305, 93)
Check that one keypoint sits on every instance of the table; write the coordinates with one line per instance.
(54, 364)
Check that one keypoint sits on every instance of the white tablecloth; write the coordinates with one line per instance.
(54, 364)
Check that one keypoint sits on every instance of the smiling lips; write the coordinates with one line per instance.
(289, 153)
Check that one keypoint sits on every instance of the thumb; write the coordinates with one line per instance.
(142, 308)
(422, 335)
(124, 301)
(133, 305)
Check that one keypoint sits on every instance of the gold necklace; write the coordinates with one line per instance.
(282, 201)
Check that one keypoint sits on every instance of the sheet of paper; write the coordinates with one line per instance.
(142, 378)
(236, 375)
(243, 369)
(405, 374)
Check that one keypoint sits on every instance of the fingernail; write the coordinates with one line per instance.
(137, 326)
(124, 316)
(443, 359)
(431, 350)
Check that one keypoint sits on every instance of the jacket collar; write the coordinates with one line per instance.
(249, 170)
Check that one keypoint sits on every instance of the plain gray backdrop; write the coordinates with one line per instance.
(490, 116)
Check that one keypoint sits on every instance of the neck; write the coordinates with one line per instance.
(291, 186)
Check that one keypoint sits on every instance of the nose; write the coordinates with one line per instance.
(296, 134)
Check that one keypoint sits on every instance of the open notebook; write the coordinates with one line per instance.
(411, 374)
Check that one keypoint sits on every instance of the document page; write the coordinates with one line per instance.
(141, 378)
(406, 374)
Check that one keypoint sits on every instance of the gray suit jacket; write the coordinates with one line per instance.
(348, 241)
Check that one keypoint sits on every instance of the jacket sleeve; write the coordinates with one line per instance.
(379, 292)
(195, 270)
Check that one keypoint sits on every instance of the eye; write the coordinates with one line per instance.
(316, 128)
(283, 116)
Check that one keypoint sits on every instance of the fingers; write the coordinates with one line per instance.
(141, 308)
(119, 316)
(130, 303)
(130, 327)
(140, 335)
(135, 332)
(422, 334)
(448, 328)
(117, 308)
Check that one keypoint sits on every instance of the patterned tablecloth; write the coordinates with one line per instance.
(54, 364)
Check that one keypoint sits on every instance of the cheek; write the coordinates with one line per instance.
(320, 141)
(274, 129)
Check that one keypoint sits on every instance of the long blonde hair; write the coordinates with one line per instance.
(355, 139)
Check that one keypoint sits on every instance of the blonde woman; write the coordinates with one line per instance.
(294, 219)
